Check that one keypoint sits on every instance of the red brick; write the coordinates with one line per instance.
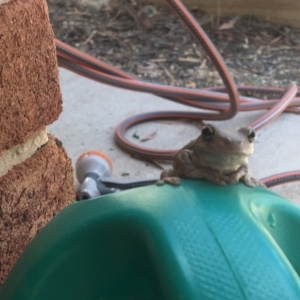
(30, 195)
(30, 96)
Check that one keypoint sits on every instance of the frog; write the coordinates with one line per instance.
(217, 155)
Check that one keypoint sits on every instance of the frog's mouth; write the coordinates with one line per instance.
(225, 155)
(223, 161)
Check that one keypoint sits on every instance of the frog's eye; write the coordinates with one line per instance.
(251, 135)
(208, 132)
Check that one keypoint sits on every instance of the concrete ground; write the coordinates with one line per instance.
(93, 110)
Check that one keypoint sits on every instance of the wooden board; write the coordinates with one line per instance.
(280, 11)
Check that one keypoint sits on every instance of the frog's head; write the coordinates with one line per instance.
(237, 142)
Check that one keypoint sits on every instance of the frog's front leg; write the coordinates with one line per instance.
(239, 175)
(184, 167)
(168, 176)
(250, 181)
(242, 175)
(188, 169)
(181, 164)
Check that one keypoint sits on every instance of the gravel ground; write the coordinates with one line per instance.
(149, 41)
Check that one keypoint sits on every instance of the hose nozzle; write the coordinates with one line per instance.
(91, 167)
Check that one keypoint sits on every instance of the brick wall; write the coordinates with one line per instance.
(36, 176)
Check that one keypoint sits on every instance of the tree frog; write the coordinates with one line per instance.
(217, 155)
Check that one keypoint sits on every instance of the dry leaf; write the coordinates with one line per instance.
(136, 136)
(203, 64)
(275, 40)
(199, 124)
(198, 53)
(158, 60)
(190, 84)
(188, 59)
(168, 73)
(147, 67)
(260, 49)
(257, 38)
(149, 137)
(229, 25)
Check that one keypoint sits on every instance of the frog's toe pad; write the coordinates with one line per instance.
(170, 180)
(257, 182)
(251, 182)
(220, 182)
(173, 180)
(160, 182)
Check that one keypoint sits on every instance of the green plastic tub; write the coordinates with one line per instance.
(195, 241)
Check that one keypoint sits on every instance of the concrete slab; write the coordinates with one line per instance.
(93, 110)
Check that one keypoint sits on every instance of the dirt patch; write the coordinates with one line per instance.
(149, 41)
